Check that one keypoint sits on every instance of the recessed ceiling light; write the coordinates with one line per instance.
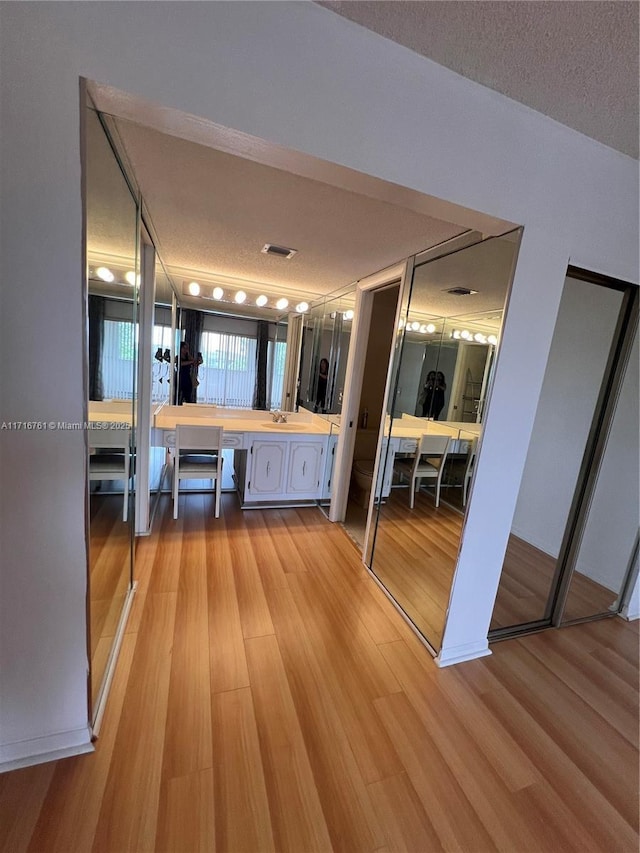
(240, 297)
(281, 304)
(130, 277)
(217, 293)
(279, 251)
(105, 274)
(194, 288)
(261, 301)
(301, 307)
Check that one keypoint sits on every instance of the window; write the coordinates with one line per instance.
(118, 352)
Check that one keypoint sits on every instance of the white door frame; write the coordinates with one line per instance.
(365, 291)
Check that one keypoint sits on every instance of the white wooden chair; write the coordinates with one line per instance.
(113, 464)
(468, 470)
(198, 456)
(427, 464)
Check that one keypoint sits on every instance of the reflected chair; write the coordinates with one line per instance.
(427, 464)
(109, 458)
(468, 469)
(198, 456)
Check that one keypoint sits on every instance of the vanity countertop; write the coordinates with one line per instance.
(239, 420)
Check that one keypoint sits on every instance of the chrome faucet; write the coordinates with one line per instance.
(279, 417)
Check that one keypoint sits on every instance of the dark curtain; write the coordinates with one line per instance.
(260, 390)
(192, 323)
(96, 338)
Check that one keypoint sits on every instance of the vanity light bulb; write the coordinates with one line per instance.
(217, 293)
(423, 329)
(261, 301)
(431, 328)
(130, 278)
(301, 307)
(492, 340)
(194, 288)
(240, 297)
(456, 334)
(348, 315)
(466, 334)
(401, 323)
(281, 304)
(105, 274)
(414, 326)
(479, 337)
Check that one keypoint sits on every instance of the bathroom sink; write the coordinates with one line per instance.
(291, 427)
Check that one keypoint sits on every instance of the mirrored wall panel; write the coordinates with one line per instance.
(113, 272)
(577, 373)
(444, 354)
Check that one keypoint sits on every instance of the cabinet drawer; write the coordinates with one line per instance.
(233, 439)
(407, 445)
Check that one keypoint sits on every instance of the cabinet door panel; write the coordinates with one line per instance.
(305, 467)
(268, 460)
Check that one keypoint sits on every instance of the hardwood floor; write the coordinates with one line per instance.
(269, 697)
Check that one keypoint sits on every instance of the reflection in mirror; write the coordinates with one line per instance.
(113, 273)
(578, 370)
(442, 370)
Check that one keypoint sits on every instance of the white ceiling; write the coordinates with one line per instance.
(572, 60)
(211, 211)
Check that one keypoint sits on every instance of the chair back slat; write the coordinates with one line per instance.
(191, 437)
(433, 445)
(111, 438)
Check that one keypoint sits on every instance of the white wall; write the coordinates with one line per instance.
(294, 74)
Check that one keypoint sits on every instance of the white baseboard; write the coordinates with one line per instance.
(24, 753)
(630, 612)
(459, 654)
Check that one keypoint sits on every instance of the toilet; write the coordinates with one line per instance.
(361, 481)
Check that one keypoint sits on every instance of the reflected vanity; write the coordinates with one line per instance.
(413, 551)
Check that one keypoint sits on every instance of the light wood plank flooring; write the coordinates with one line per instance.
(269, 697)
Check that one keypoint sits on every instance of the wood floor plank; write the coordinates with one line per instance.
(128, 817)
(186, 818)
(482, 785)
(432, 779)
(187, 746)
(265, 555)
(585, 745)
(21, 803)
(228, 662)
(347, 807)
(597, 822)
(405, 822)
(529, 750)
(243, 820)
(350, 650)
(296, 812)
(252, 604)
(70, 813)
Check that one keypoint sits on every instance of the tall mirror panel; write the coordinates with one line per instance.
(113, 272)
(440, 379)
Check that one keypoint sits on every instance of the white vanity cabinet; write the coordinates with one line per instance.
(282, 469)
(267, 467)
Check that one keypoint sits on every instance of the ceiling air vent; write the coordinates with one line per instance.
(460, 291)
(279, 251)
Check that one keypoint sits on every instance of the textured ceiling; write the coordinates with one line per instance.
(213, 212)
(573, 60)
